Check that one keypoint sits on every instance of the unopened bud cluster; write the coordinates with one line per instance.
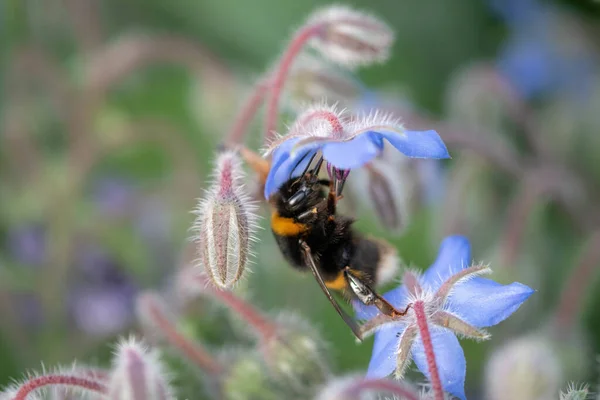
(225, 224)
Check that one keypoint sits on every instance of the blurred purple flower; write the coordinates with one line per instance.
(103, 309)
(545, 52)
(153, 220)
(456, 302)
(104, 303)
(27, 244)
(96, 264)
(28, 309)
(113, 197)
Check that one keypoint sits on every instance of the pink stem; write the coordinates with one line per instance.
(245, 115)
(281, 74)
(580, 279)
(41, 381)
(265, 328)
(429, 353)
(191, 350)
(396, 388)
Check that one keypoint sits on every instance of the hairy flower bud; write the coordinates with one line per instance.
(388, 186)
(575, 392)
(526, 368)
(137, 374)
(225, 224)
(296, 357)
(246, 378)
(350, 37)
(160, 324)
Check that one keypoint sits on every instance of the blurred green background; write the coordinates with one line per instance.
(110, 113)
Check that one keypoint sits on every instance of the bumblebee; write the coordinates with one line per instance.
(312, 236)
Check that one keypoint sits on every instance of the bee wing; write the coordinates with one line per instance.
(352, 324)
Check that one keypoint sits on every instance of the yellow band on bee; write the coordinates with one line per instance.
(339, 283)
(286, 226)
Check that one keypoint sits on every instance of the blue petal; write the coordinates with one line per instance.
(364, 312)
(449, 358)
(383, 361)
(453, 256)
(483, 302)
(353, 153)
(417, 144)
(398, 297)
(285, 165)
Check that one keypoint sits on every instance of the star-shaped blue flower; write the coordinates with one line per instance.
(345, 142)
(456, 301)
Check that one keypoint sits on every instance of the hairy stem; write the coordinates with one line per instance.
(423, 326)
(400, 389)
(281, 74)
(193, 351)
(46, 380)
(247, 112)
(263, 326)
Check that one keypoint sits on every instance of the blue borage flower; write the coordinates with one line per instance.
(346, 142)
(456, 302)
(543, 54)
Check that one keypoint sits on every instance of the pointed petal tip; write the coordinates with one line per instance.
(482, 302)
(453, 255)
(417, 144)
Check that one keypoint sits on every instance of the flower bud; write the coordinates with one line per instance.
(296, 357)
(575, 392)
(351, 38)
(525, 368)
(225, 224)
(388, 187)
(137, 374)
(359, 387)
(246, 378)
(312, 79)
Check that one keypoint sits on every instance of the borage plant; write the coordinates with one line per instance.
(420, 319)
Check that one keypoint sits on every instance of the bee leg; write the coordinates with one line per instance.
(370, 297)
(310, 261)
